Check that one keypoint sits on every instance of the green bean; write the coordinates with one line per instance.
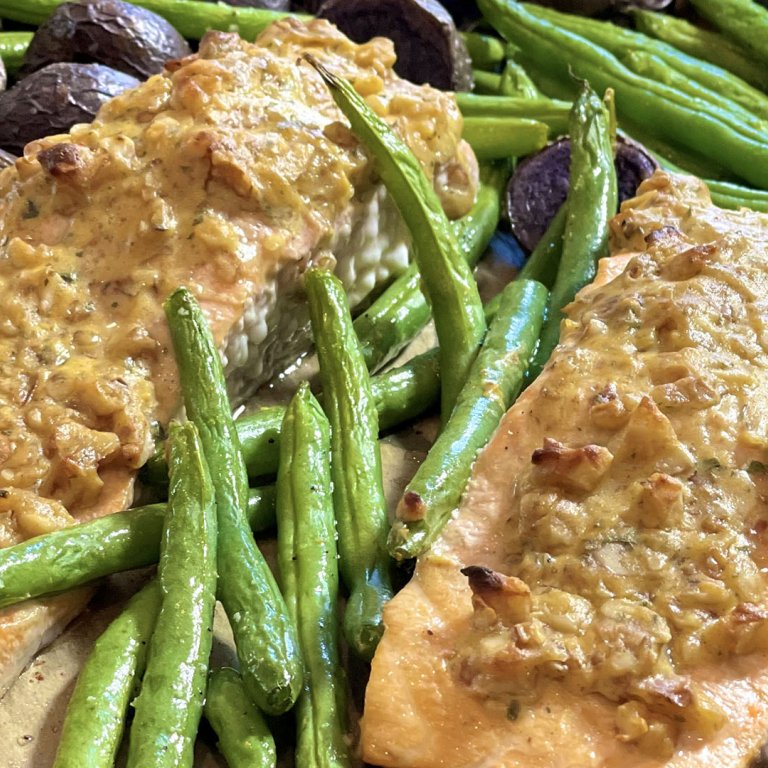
(244, 738)
(495, 379)
(516, 82)
(13, 46)
(413, 389)
(265, 637)
(192, 18)
(619, 40)
(306, 553)
(400, 394)
(486, 52)
(592, 201)
(701, 43)
(655, 68)
(550, 111)
(358, 491)
(486, 82)
(169, 707)
(68, 558)
(447, 278)
(542, 265)
(500, 138)
(692, 163)
(743, 21)
(651, 105)
(93, 726)
(397, 316)
(734, 196)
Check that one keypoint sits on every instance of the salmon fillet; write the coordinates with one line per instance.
(612, 610)
(231, 172)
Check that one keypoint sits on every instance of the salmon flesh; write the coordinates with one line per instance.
(600, 599)
(230, 173)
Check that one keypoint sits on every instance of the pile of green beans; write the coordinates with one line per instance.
(659, 108)
(702, 44)
(620, 41)
(743, 21)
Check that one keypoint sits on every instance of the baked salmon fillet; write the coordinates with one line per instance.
(600, 598)
(230, 173)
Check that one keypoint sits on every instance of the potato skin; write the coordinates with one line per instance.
(54, 98)
(428, 47)
(110, 32)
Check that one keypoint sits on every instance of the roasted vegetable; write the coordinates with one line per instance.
(111, 32)
(90, 735)
(429, 49)
(447, 278)
(493, 382)
(54, 98)
(13, 46)
(591, 203)
(539, 185)
(269, 5)
(170, 704)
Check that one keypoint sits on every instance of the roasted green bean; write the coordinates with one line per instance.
(265, 637)
(486, 52)
(702, 44)
(13, 46)
(743, 21)
(306, 553)
(71, 557)
(244, 738)
(651, 105)
(499, 138)
(397, 316)
(515, 82)
(542, 265)
(358, 492)
(191, 18)
(619, 40)
(496, 377)
(447, 278)
(93, 725)
(169, 707)
(552, 112)
(592, 201)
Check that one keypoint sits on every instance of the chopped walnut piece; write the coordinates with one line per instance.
(608, 410)
(688, 263)
(649, 442)
(576, 469)
(690, 390)
(507, 596)
(659, 502)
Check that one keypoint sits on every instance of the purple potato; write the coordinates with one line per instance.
(539, 185)
(111, 32)
(428, 46)
(54, 98)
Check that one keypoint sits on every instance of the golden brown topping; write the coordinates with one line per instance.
(608, 411)
(659, 502)
(576, 469)
(508, 597)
